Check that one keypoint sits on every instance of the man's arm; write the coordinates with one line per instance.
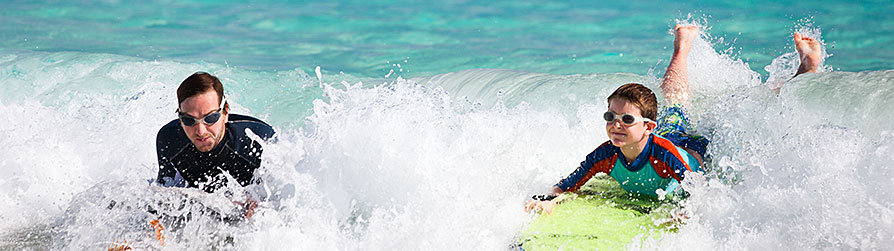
(168, 176)
(165, 149)
(257, 126)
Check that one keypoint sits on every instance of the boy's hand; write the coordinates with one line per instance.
(541, 206)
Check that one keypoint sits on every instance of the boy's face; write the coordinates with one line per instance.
(622, 135)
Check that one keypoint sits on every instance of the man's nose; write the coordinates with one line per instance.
(201, 129)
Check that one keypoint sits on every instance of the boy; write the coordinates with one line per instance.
(645, 154)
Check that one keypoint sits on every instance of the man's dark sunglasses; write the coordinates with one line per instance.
(209, 119)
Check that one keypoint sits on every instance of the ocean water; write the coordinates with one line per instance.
(429, 124)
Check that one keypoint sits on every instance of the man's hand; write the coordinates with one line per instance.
(248, 207)
(541, 206)
(159, 231)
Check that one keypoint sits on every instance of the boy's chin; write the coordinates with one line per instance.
(623, 142)
(618, 142)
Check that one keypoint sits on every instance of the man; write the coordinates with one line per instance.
(207, 145)
(646, 154)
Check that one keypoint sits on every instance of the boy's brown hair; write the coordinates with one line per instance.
(641, 97)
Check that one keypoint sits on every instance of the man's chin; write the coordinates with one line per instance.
(203, 146)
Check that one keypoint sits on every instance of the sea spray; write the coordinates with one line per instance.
(417, 168)
(791, 171)
(422, 164)
(784, 67)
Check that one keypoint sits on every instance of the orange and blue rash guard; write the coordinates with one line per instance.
(661, 165)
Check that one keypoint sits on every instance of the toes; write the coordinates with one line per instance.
(799, 37)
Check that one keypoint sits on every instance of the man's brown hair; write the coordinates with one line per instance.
(198, 83)
(641, 97)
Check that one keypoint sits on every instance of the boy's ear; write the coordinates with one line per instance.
(651, 125)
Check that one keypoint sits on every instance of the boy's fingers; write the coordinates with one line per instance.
(530, 205)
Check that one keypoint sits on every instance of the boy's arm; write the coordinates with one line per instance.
(670, 161)
(600, 160)
(555, 190)
(698, 157)
(544, 205)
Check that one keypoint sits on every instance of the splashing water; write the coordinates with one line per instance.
(435, 163)
(784, 67)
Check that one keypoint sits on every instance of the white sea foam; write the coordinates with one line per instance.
(438, 163)
(394, 165)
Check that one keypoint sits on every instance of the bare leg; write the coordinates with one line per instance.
(810, 52)
(675, 85)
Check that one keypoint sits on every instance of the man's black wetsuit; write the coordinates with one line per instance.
(182, 165)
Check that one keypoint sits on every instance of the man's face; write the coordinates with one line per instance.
(204, 137)
(622, 135)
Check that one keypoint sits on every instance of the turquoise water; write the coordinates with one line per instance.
(367, 39)
(431, 123)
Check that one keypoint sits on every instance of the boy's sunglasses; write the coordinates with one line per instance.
(627, 118)
(209, 119)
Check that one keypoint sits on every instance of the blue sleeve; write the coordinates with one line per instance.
(258, 127)
(264, 131)
(600, 160)
(166, 146)
(670, 160)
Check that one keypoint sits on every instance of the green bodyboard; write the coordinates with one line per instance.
(601, 216)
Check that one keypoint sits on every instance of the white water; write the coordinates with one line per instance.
(439, 163)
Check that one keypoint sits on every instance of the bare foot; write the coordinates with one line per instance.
(810, 52)
(683, 38)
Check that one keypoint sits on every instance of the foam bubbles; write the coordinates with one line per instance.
(407, 164)
(436, 163)
(793, 171)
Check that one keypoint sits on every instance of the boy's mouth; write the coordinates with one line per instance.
(618, 134)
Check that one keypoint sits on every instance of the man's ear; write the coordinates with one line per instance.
(226, 109)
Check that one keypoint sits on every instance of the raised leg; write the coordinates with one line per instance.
(675, 84)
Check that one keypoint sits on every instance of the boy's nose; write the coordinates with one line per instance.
(617, 123)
